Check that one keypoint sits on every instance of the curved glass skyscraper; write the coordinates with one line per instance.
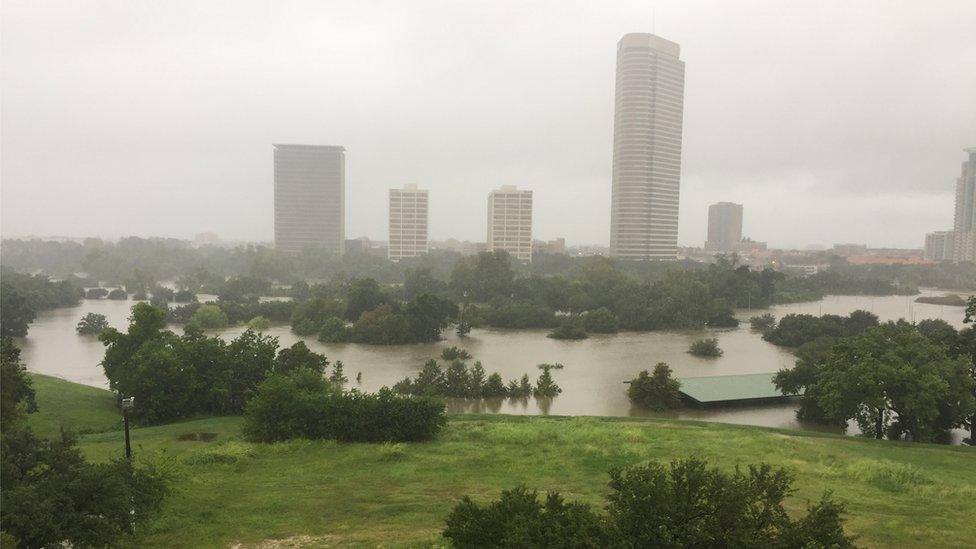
(648, 111)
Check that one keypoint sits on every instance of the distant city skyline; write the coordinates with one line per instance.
(802, 112)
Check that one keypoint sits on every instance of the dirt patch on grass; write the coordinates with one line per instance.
(293, 541)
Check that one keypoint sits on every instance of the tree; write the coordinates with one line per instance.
(545, 386)
(569, 328)
(762, 322)
(802, 380)
(892, 380)
(454, 353)
(659, 391)
(483, 277)
(118, 294)
(258, 323)
(96, 293)
(706, 348)
(601, 321)
(209, 317)
(338, 378)
(16, 313)
(92, 324)
(299, 357)
(364, 295)
(334, 330)
(16, 390)
(428, 315)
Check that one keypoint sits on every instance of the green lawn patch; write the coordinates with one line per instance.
(75, 407)
(229, 491)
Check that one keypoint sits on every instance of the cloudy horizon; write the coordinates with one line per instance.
(830, 122)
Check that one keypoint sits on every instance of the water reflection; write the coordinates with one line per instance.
(592, 380)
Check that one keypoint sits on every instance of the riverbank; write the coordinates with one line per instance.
(227, 491)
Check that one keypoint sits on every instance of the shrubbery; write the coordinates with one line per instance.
(762, 322)
(303, 405)
(601, 321)
(92, 324)
(569, 328)
(685, 504)
(706, 348)
(794, 330)
(460, 381)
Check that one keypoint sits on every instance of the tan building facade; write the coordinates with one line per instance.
(647, 128)
(409, 209)
(964, 227)
(510, 222)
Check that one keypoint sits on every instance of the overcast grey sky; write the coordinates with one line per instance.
(831, 121)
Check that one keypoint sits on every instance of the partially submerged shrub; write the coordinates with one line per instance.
(706, 348)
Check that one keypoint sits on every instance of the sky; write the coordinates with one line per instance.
(830, 121)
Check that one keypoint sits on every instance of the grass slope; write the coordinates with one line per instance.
(76, 407)
(229, 492)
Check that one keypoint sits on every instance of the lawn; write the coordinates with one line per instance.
(76, 407)
(229, 492)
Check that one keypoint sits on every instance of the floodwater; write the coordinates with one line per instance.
(592, 379)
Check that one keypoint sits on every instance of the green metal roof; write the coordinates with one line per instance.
(730, 388)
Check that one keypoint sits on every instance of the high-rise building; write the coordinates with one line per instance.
(939, 245)
(510, 222)
(648, 111)
(408, 222)
(724, 226)
(964, 229)
(309, 197)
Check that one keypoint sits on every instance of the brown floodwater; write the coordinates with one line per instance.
(592, 378)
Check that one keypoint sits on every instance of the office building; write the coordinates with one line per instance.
(648, 111)
(724, 227)
(408, 222)
(309, 197)
(939, 245)
(964, 229)
(510, 222)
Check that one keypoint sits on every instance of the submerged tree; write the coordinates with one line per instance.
(659, 391)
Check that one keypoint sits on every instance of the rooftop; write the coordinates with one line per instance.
(731, 389)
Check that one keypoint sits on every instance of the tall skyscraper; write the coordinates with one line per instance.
(510, 222)
(408, 222)
(964, 229)
(309, 197)
(724, 226)
(648, 111)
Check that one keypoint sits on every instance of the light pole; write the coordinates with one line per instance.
(127, 404)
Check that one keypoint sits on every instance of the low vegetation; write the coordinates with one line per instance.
(684, 504)
(461, 381)
(706, 348)
(658, 391)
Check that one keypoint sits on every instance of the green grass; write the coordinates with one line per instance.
(320, 493)
(75, 407)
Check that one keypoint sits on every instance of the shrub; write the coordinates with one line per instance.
(545, 386)
(659, 391)
(258, 324)
(706, 348)
(184, 296)
(392, 451)
(570, 328)
(92, 324)
(209, 317)
(601, 321)
(303, 405)
(763, 322)
(686, 504)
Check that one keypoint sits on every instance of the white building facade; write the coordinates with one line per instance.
(409, 208)
(510, 222)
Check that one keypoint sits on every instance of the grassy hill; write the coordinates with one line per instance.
(76, 407)
(318, 493)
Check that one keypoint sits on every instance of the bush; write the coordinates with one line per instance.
(92, 324)
(570, 328)
(685, 504)
(763, 322)
(601, 321)
(303, 405)
(454, 353)
(184, 296)
(545, 386)
(209, 317)
(706, 347)
(658, 392)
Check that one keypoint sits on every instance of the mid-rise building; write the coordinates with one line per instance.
(408, 222)
(309, 197)
(510, 222)
(964, 228)
(724, 227)
(647, 125)
(939, 246)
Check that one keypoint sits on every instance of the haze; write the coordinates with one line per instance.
(829, 121)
